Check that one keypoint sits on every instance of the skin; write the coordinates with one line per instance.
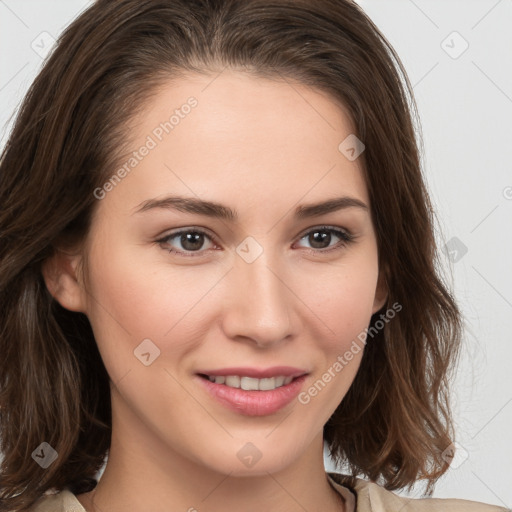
(260, 147)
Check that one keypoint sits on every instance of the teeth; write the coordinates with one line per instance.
(233, 381)
(267, 384)
(279, 381)
(251, 383)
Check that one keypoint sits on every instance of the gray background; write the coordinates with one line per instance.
(458, 54)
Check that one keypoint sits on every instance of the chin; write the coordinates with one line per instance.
(244, 459)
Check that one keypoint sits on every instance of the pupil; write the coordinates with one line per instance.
(317, 242)
(190, 240)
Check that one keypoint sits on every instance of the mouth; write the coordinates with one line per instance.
(253, 392)
(250, 383)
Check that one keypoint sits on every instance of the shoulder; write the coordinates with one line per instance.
(62, 501)
(372, 497)
(375, 498)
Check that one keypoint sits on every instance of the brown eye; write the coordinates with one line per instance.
(191, 241)
(188, 241)
(320, 238)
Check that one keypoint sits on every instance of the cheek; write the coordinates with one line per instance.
(344, 309)
(132, 297)
(126, 290)
(343, 297)
(146, 297)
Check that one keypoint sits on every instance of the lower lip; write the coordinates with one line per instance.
(254, 403)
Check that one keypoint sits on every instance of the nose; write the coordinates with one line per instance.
(258, 309)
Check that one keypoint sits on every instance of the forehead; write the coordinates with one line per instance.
(234, 137)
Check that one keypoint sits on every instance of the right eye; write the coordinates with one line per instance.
(190, 239)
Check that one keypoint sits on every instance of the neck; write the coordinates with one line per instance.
(290, 490)
(143, 473)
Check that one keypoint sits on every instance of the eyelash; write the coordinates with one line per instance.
(345, 236)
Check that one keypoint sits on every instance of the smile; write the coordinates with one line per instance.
(251, 383)
(251, 391)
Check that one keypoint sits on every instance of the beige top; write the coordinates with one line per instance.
(360, 496)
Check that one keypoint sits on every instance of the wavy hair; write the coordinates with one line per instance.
(395, 421)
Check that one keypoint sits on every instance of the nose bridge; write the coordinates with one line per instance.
(260, 309)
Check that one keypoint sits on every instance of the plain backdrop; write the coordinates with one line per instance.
(458, 55)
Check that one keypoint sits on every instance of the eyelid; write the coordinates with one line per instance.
(326, 227)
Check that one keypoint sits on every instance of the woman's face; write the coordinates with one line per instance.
(180, 290)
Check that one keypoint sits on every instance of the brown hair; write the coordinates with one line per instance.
(395, 421)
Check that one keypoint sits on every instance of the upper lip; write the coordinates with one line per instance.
(257, 373)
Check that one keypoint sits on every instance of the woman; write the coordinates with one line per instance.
(218, 254)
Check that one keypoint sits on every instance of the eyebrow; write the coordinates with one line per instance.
(216, 210)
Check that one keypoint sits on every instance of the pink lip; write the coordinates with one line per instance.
(253, 403)
(274, 371)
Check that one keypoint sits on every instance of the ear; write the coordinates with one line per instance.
(381, 292)
(61, 278)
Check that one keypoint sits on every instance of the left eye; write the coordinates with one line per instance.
(192, 240)
(319, 236)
